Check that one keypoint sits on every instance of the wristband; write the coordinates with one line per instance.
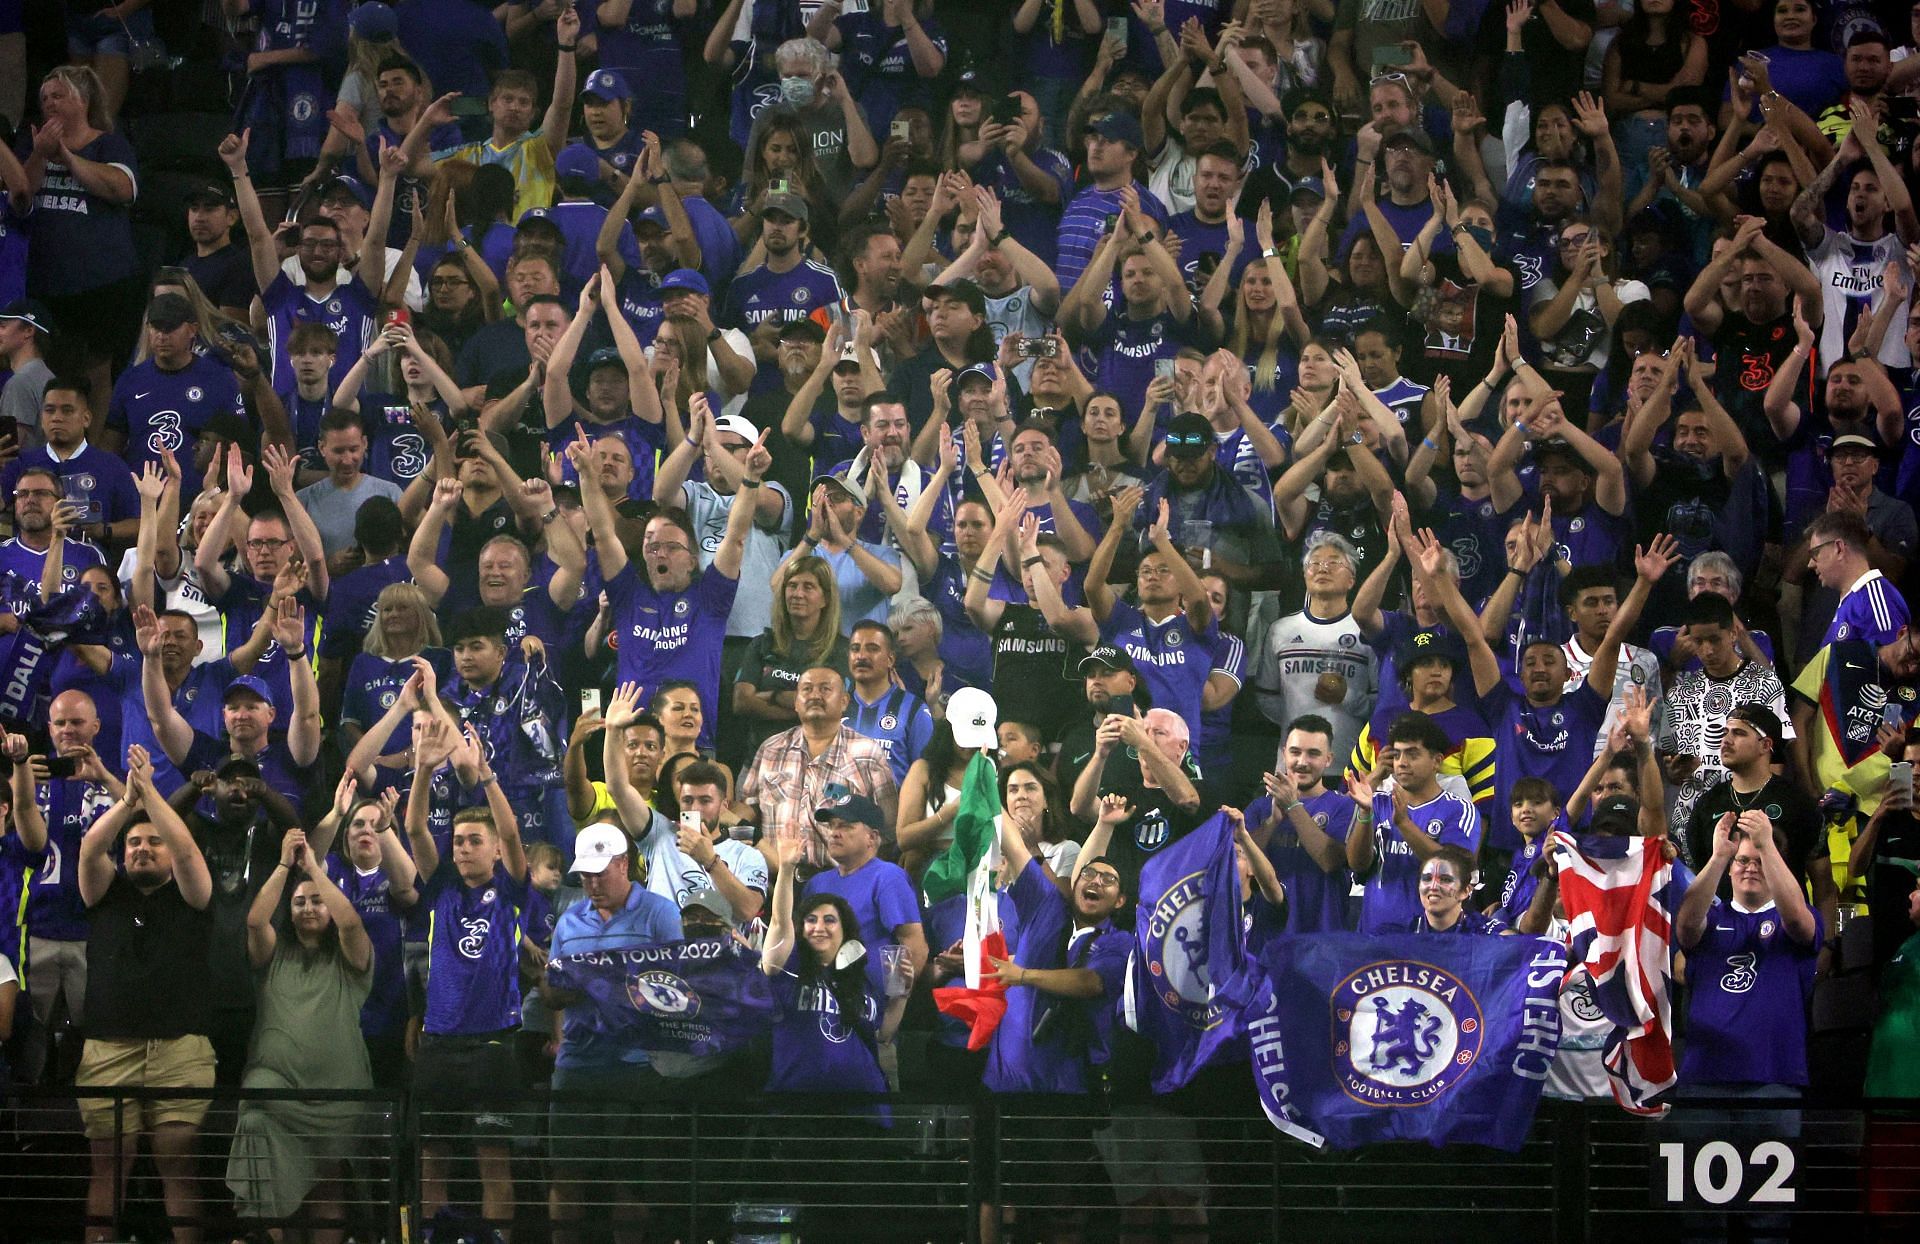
(985, 576)
(1031, 561)
(566, 47)
(549, 516)
(1000, 237)
(745, 482)
(657, 181)
(714, 335)
(1290, 807)
(487, 779)
(1429, 442)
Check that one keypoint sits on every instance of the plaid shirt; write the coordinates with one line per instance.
(786, 782)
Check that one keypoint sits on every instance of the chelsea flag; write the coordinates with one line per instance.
(1422, 1037)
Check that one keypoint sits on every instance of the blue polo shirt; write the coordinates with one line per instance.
(645, 920)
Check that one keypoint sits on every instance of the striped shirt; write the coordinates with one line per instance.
(1872, 609)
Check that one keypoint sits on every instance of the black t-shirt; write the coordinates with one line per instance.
(240, 859)
(1157, 820)
(1683, 499)
(1748, 355)
(146, 978)
(225, 277)
(1888, 884)
(1791, 812)
(1036, 676)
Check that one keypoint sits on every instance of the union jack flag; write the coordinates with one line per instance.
(1615, 891)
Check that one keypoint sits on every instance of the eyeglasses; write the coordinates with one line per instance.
(263, 546)
(449, 282)
(1573, 239)
(319, 244)
(663, 548)
(1813, 550)
(48, 493)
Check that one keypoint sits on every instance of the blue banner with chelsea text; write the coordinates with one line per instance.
(700, 997)
(1422, 1037)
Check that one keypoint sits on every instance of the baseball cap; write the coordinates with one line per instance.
(29, 311)
(169, 311)
(607, 84)
(207, 190)
(605, 356)
(1428, 644)
(251, 685)
(1106, 657)
(652, 216)
(1120, 127)
(1298, 95)
(1762, 718)
(1559, 445)
(686, 279)
(237, 766)
(709, 899)
(850, 357)
(352, 185)
(790, 204)
(1616, 814)
(375, 23)
(972, 715)
(1307, 185)
(858, 809)
(1189, 436)
(596, 846)
(577, 161)
(738, 425)
(961, 291)
(850, 486)
(1408, 136)
(975, 371)
(1853, 440)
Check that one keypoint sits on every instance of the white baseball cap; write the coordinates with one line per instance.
(596, 846)
(972, 715)
(738, 425)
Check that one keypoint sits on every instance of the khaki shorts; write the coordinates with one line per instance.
(173, 1062)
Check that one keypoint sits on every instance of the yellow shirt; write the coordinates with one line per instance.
(526, 157)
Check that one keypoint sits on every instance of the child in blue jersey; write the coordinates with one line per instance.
(1302, 825)
(1750, 963)
(1534, 812)
(475, 896)
(1409, 825)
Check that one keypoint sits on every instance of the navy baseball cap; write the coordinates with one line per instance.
(1120, 127)
(375, 23)
(353, 186)
(854, 810)
(605, 356)
(577, 161)
(28, 311)
(1189, 436)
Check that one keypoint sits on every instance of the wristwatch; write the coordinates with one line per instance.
(1271, 252)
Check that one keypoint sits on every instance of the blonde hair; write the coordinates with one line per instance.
(377, 642)
(784, 639)
(84, 82)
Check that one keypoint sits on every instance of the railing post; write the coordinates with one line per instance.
(693, 1170)
(1571, 1136)
(982, 1160)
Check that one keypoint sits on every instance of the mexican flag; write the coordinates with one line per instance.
(970, 872)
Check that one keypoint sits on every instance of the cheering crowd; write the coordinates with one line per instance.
(564, 477)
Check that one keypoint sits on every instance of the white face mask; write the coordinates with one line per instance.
(797, 91)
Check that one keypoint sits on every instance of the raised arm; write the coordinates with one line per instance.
(553, 127)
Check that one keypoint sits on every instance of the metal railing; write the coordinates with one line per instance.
(916, 1169)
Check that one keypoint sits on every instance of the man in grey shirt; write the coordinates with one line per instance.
(24, 329)
(333, 501)
(843, 146)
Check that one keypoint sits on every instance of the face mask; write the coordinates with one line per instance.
(797, 91)
(1481, 235)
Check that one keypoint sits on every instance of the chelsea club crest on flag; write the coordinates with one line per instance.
(1429, 1038)
(1191, 977)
